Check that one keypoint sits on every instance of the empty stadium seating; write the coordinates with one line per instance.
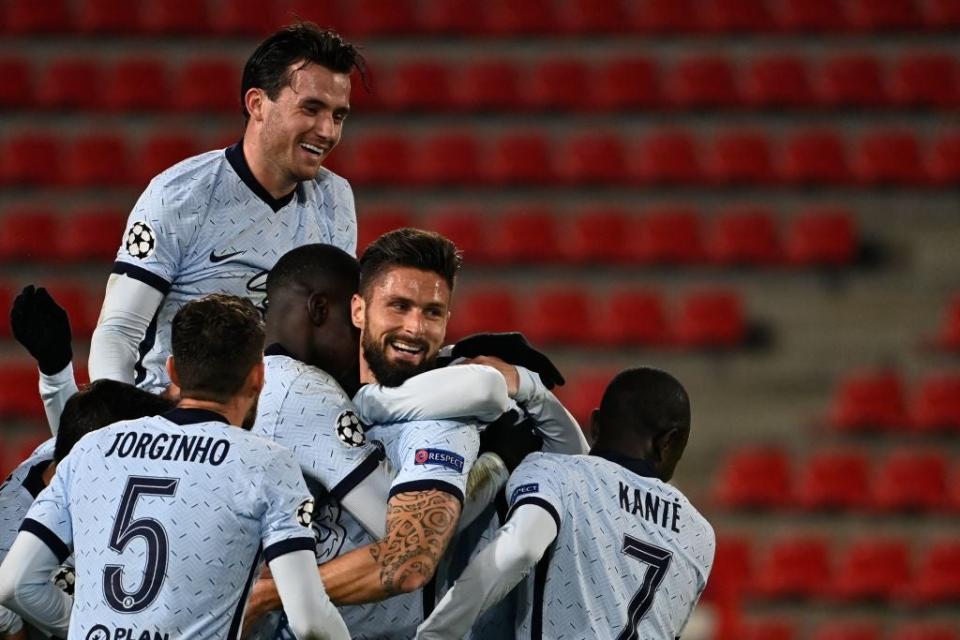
(869, 400)
(871, 569)
(834, 480)
(795, 567)
(755, 477)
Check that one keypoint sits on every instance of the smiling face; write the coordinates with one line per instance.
(403, 320)
(299, 129)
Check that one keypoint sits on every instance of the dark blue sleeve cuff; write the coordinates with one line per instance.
(289, 545)
(427, 485)
(52, 540)
(355, 477)
(540, 502)
(141, 274)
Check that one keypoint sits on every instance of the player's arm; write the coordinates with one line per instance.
(309, 610)
(514, 551)
(560, 431)
(26, 587)
(128, 309)
(11, 625)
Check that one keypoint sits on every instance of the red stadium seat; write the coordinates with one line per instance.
(118, 17)
(180, 17)
(525, 234)
(16, 90)
(582, 394)
(487, 85)
(160, 152)
(669, 235)
(481, 310)
(754, 478)
(815, 156)
(871, 569)
(377, 222)
(418, 85)
(846, 630)
(508, 17)
(452, 157)
(794, 567)
(911, 481)
(767, 629)
(31, 159)
(559, 316)
(71, 83)
(451, 17)
(745, 236)
(938, 578)
(380, 17)
(593, 16)
(97, 160)
(702, 81)
(7, 295)
(710, 319)
(81, 304)
(869, 401)
(632, 317)
(822, 237)
(943, 165)
(208, 85)
(598, 235)
(737, 15)
(19, 395)
(852, 80)
(325, 13)
(29, 234)
(741, 157)
(943, 14)
(669, 156)
(925, 631)
(890, 156)
(37, 16)
(626, 83)
(778, 81)
(593, 158)
(465, 227)
(948, 336)
(520, 158)
(812, 15)
(871, 15)
(732, 567)
(936, 404)
(137, 84)
(668, 16)
(381, 158)
(834, 480)
(246, 18)
(91, 234)
(558, 84)
(927, 80)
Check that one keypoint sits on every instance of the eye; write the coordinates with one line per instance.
(312, 111)
(339, 117)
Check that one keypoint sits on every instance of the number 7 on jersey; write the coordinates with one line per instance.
(658, 560)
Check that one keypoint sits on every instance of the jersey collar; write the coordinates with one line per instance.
(637, 465)
(193, 416)
(33, 483)
(277, 349)
(239, 163)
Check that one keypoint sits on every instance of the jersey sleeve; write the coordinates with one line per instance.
(435, 455)
(49, 517)
(151, 247)
(286, 507)
(536, 481)
(344, 216)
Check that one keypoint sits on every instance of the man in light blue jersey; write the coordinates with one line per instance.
(217, 222)
(619, 553)
(168, 516)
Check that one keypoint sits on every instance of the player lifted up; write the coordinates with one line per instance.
(169, 515)
(217, 222)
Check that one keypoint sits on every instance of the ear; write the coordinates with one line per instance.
(668, 445)
(357, 310)
(254, 100)
(317, 309)
(255, 379)
(172, 371)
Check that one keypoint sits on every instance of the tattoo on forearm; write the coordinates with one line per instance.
(419, 527)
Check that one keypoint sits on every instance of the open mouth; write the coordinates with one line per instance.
(313, 149)
(406, 350)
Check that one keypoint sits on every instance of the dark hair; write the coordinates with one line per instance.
(215, 342)
(643, 401)
(100, 403)
(414, 248)
(310, 264)
(268, 67)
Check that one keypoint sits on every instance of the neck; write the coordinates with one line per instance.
(267, 174)
(366, 375)
(47, 475)
(234, 411)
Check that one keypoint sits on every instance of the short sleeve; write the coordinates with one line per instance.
(150, 249)
(49, 516)
(286, 507)
(344, 217)
(536, 481)
(434, 455)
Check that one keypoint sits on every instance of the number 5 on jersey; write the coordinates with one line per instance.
(125, 530)
(642, 600)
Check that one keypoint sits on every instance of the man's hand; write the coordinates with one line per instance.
(511, 440)
(513, 348)
(263, 599)
(508, 371)
(42, 327)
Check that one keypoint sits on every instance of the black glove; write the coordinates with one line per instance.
(511, 440)
(42, 327)
(512, 348)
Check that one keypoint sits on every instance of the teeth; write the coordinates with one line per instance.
(312, 148)
(403, 346)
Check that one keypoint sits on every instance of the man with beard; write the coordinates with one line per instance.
(169, 514)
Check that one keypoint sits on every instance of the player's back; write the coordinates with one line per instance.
(169, 516)
(631, 558)
(18, 491)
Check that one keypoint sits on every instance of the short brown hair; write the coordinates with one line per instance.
(416, 248)
(215, 342)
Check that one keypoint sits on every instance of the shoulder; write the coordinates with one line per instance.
(334, 187)
(288, 378)
(539, 462)
(190, 178)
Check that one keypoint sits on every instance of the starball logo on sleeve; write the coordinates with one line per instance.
(439, 457)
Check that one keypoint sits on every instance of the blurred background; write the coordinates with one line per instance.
(760, 196)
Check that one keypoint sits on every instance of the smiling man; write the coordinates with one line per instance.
(217, 222)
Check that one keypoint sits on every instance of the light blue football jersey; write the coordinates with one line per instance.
(631, 558)
(207, 226)
(168, 517)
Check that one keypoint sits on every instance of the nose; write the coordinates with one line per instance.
(413, 323)
(326, 128)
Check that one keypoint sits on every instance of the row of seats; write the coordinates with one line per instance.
(807, 565)
(81, 302)
(947, 337)
(914, 79)
(773, 628)
(494, 18)
(837, 479)
(896, 156)
(877, 400)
